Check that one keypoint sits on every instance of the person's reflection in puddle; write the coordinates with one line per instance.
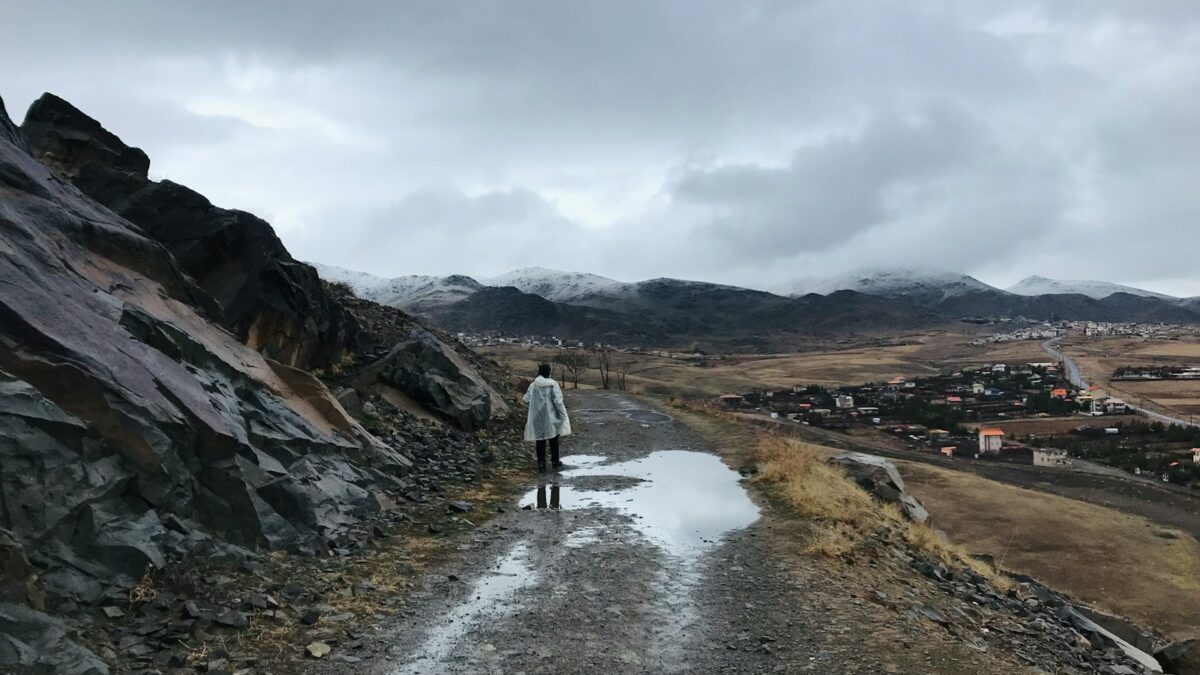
(554, 497)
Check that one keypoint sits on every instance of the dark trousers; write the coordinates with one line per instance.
(541, 452)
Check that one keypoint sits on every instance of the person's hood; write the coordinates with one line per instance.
(540, 381)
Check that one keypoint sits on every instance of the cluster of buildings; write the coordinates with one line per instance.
(1144, 330)
(1045, 331)
(1148, 373)
(932, 412)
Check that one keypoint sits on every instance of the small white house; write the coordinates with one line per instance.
(990, 441)
(1196, 455)
(977, 388)
(843, 401)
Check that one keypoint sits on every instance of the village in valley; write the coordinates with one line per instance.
(1025, 413)
(1038, 414)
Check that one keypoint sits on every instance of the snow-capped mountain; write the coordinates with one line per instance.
(417, 293)
(413, 293)
(1035, 285)
(893, 282)
(554, 284)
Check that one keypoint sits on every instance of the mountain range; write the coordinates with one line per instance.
(539, 301)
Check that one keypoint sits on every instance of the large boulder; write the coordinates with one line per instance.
(272, 302)
(880, 477)
(67, 139)
(440, 379)
(1180, 658)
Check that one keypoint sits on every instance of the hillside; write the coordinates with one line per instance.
(1118, 307)
(158, 403)
(1035, 285)
(553, 284)
(667, 312)
(412, 293)
(921, 286)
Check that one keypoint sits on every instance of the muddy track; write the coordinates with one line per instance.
(646, 554)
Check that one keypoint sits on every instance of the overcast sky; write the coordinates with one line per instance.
(742, 142)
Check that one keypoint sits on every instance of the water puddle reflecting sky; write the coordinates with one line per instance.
(683, 501)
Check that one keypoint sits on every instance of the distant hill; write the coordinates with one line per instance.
(538, 301)
(1118, 307)
(1035, 285)
(554, 284)
(920, 285)
(413, 293)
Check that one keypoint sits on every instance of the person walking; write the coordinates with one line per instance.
(547, 421)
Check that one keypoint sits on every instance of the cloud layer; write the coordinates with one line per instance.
(751, 143)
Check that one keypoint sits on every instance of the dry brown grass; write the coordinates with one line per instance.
(843, 513)
(1098, 358)
(1118, 562)
(828, 364)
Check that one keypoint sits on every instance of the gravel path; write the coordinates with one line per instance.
(647, 554)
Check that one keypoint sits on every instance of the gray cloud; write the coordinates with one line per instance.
(750, 143)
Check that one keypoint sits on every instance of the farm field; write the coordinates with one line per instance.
(1098, 358)
(1136, 568)
(828, 364)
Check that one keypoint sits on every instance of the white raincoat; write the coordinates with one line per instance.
(547, 413)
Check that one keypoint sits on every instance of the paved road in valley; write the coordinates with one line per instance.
(1075, 375)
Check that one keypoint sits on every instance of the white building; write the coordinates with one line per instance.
(990, 441)
(1050, 457)
(843, 401)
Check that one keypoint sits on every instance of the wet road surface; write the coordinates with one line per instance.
(646, 554)
(597, 567)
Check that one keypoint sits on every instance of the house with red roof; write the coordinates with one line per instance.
(990, 441)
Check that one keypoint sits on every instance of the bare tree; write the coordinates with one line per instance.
(604, 365)
(623, 374)
(573, 363)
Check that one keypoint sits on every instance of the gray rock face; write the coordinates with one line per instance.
(31, 639)
(132, 428)
(8, 130)
(440, 379)
(880, 477)
(1181, 658)
(269, 300)
(68, 139)
(17, 577)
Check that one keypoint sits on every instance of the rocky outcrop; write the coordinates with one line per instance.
(879, 477)
(438, 378)
(272, 302)
(1180, 658)
(9, 131)
(132, 429)
(17, 577)
(39, 642)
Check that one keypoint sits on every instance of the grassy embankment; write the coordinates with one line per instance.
(843, 513)
(1120, 563)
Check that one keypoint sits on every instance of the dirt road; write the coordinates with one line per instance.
(646, 554)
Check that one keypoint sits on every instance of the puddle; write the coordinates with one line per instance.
(583, 460)
(490, 597)
(681, 501)
(648, 416)
(684, 501)
(635, 414)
